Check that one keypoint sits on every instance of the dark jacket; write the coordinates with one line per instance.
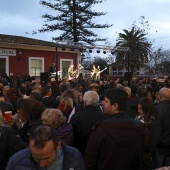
(132, 109)
(116, 143)
(50, 102)
(9, 144)
(24, 161)
(65, 133)
(152, 135)
(83, 122)
(164, 114)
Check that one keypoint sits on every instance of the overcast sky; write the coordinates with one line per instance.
(21, 17)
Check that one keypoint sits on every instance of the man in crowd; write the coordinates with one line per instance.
(84, 120)
(46, 152)
(163, 147)
(117, 142)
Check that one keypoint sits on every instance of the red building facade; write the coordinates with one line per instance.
(27, 56)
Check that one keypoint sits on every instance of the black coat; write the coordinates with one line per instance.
(164, 114)
(83, 122)
(9, 144)
(116, 143)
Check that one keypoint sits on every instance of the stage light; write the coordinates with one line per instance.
(104, 52)
(90, 51)
(112, 52)
(98, 51)
(63, 48)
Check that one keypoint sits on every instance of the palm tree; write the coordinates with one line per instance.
(138, 44)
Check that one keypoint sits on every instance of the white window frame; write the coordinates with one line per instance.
(7, 64)
(36, 58)
(61, 60)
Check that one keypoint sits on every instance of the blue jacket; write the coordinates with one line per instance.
(23, 160)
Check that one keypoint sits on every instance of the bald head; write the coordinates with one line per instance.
(164, 94)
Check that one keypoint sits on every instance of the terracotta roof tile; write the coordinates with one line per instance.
(24, 40)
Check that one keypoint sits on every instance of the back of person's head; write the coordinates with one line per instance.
(71, 93)
(46, 91)
(38, 87)
(28, 90)
(63, 88)
(118, 96)
(66, 101)
(30, 109)
(41, 135)
(53, 117)
(36, 95)
(142, 92)
(128, 90)
(164, 94)
(4, 106)
(91, 98)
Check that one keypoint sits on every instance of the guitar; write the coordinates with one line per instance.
(97, 74)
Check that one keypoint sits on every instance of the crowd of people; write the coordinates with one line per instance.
(92, 124)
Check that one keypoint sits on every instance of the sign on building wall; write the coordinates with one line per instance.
(9, 52)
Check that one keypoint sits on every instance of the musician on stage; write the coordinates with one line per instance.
(94, 72)
(81, 71)
(98, 73)
(70, 72)
(52, 68)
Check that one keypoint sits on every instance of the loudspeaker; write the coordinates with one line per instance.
(128, 76)
(45, 76)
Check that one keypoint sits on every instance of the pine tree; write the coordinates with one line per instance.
(74, 18)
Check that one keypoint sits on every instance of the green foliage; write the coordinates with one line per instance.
(74, 18)
(137, 41)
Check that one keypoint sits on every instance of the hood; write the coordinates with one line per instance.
(124, 134)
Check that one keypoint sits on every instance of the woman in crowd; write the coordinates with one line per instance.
(68, 100)
(29, 114)
(56, 119)
(152, 128)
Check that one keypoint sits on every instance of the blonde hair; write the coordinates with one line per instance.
(66, 101)
(128, 90)
(53, 117)
(71, 93)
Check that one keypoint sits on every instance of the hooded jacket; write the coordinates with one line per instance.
(116, 143)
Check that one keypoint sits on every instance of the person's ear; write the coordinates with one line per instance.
(58, 146)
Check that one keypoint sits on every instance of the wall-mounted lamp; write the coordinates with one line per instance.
(90, 51)
(112, 52)
(98, 51)
(19, 54)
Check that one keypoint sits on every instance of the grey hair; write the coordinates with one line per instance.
(91, 98)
